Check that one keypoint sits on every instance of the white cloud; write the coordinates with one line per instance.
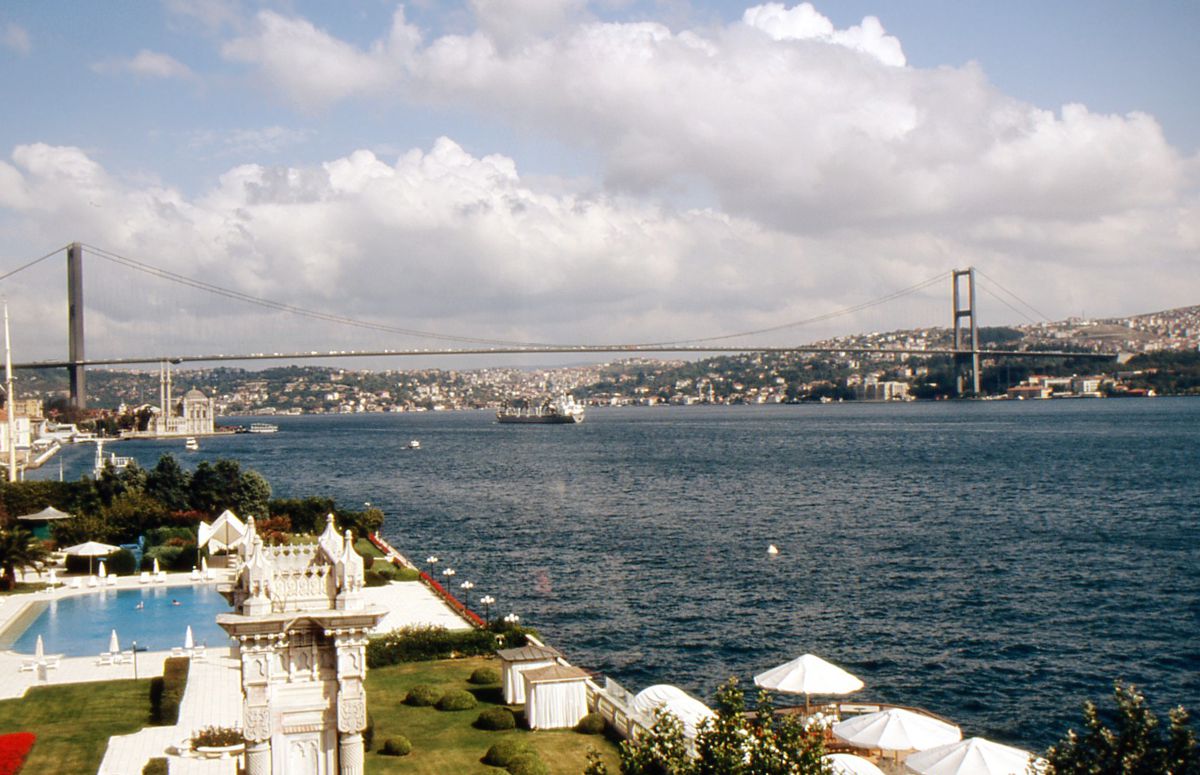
(782, 117)
(268, 140)
(147, 64)
(443, 240)
(16, 38)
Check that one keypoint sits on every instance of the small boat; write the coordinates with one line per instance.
(263, 427)
(414, 444)
(191, 445)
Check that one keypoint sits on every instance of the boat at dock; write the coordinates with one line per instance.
(561, 411)
(191, 445)
(263, 427)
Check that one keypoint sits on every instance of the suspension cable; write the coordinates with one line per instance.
(1044, 317)
(34, 262)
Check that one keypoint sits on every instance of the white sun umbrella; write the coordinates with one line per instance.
(39, 649)
(188, 641)
(101, 571)
(114, 645)
(849, 764)
(973, 756)
(808, 675)
(91, 549)
(156, 571)
(896, 729)
(204, 565)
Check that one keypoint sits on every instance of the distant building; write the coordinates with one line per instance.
(875, 390)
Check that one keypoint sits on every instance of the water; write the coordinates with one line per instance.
(81, 626)
(997, 562)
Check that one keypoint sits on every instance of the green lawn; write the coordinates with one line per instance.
(446, 742)
(73, 722)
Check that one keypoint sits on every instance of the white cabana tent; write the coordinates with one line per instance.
(973, 756)
(808, 675)
(896, 729)
(690, 711)
(849, 764)
(514, 662)
(226, 532)
(555, 696)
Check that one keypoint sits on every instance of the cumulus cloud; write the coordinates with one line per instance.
(147, 64)
(16, 38)
(781, 116)
(442, 240)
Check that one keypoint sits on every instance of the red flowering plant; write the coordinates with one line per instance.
(13, 750)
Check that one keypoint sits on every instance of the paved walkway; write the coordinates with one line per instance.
(411, 603)
(213, 698)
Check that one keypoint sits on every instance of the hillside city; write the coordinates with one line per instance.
(752, 377)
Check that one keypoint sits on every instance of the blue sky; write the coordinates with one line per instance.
(607, 170)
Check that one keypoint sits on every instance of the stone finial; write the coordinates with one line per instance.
(350, 573)
(330, 541)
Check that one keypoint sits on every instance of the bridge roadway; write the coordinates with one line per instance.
(563, 349)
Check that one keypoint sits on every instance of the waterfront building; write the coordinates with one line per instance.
(301, 624)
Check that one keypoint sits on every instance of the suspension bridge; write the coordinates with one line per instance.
(965, 349)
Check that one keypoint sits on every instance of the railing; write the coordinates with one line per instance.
(447, 597)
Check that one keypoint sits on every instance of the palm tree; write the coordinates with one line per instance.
(18, 548)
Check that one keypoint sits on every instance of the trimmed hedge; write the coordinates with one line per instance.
(496, 719)
(503, 752)
(368, 733)
(396, 746)
(422, 695)
(374, 579)
(166, 692)
(485, 676)
(457, 699)
(156, 766)
(527, 764)
(420, 644)
(591, 724)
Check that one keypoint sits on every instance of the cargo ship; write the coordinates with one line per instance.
(562, 411)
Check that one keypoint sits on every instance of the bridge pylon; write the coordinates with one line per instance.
(966, 337)
(75, 325)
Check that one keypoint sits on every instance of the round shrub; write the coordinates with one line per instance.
(485, 675)
(496, 719)
(396, 746)
(591, 724)
(457, 699)
(503, 752)
(423, 695)
(527, 764)
(374, 578)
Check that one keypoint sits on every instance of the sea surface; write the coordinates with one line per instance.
(994, 562)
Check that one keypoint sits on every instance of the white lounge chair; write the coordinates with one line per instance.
(144, 578)
(105, 658)
(92, 581)
(28, 665)
(160, 577)
(110, 580)
(198, 654)
(74, 584)
(177, 651)
(51, 662)
(196, 574)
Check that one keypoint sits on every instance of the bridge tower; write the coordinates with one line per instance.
(966, 356)
(75, 325)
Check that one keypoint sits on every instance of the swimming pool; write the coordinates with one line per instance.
(81, 625)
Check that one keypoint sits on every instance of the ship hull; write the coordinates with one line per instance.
(537, 419)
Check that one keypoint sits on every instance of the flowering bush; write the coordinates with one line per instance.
(217, 737)
(13, 750)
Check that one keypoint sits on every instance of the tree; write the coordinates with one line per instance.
(731, 744)
(18, 549)
(169, 484)
(1134, 745)
(224, 485)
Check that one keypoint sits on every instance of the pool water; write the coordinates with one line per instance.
(81, 625)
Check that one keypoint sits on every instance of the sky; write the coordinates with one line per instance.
(592, 172)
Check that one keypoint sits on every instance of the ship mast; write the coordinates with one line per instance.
(10, 407)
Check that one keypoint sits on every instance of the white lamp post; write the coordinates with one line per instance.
(487, 601)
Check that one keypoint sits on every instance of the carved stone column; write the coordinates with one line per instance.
(350, 754)
(258, 758)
